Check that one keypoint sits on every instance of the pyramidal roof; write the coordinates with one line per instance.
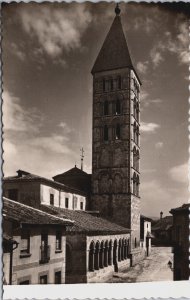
(114, 53)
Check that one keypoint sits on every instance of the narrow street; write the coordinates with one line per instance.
(153, 268)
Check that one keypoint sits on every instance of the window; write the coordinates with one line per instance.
(25, 242)
(105, 133)
(58, 240)
(135, 242)
(104, 85)
(58, 277)
(43, 279)
(81, 205)
(119, 82)
(13, 194)
(66, 202)
(118, 132)
(75, 202)
(106, 106)
(111, 84)
(51, 199)
(118, 107)
(24, 282)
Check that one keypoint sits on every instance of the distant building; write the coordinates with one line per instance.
(34, 190)
(145, 233)
(181, 244)
(162, 231)
(40, 237)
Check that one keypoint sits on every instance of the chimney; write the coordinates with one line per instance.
(161, 215)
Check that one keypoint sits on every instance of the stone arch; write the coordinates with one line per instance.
(137, 160)
(91, 257)
(106, 248)
(101, 255)
(96, 255)
(134, 183)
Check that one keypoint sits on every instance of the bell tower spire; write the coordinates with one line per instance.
(115, 138)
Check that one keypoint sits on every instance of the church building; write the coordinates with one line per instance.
(103, 207)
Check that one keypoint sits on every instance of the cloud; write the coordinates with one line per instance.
(56, 29)
(142, 67)
(159, 145)
(18, 52)
(180, 173)
(149, 127)
(168, 44)
(16, 118)
(156, 56)
(65, 127)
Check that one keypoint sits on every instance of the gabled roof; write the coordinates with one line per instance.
(24, 214)
(84, 222)
(163, 224)
(73, 171)
(183, 208)
(26, 176)
(114, 53)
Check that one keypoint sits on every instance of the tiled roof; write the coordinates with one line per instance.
(73, 171)
(84, 222)
(184, 207)
(114, 53)
(26, 176)
(24, 214)
(163, 224)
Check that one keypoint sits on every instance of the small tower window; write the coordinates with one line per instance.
(51, 199)
(105, 133)
(118, 107)
(106, 106)
(111, 84)
(104, 85)
(118, 132)
(119, 82)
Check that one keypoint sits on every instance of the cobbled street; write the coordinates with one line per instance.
(153, 268)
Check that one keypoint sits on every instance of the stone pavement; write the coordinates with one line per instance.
(153, 268)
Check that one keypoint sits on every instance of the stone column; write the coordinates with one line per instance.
(110, 255)
(101, 258)
(106, 256)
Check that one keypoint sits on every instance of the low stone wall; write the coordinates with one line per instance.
(137, 255)
(101, 275)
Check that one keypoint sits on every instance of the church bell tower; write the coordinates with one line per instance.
(116, 140)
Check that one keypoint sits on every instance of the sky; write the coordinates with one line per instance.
(48, 53)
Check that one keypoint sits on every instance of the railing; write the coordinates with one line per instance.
(44, 254)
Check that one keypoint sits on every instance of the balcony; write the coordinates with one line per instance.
(44, 254)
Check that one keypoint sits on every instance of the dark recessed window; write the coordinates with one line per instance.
(66, 202)
(43, 279)
(106, 108)
(104, 85)
(118, 132)
(13, 194)
(58, 277)
(51, 199)
(118, 107)
(58, 240)
(81, 205)
(105, 133)
(119, 82)
(25, 243)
